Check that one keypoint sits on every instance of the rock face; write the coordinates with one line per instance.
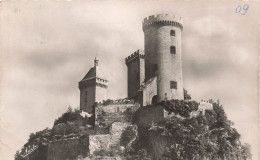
(105, 142)
(98, 143)
(116, 131)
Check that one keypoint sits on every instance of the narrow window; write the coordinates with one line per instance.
(173, 50)
(172, 33)
(173, 84)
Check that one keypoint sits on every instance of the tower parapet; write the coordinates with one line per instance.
(163, 19)
(137, 54)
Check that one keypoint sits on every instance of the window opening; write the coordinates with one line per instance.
(173, 85)
(173, 50)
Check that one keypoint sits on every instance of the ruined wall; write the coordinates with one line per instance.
(107, 114)
(68, 149)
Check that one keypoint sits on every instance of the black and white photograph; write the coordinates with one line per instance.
(129, 80)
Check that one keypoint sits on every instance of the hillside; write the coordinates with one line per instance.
(183, 131)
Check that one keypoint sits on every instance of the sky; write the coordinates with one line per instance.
(46, 48)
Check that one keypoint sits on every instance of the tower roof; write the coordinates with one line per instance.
(94, 72)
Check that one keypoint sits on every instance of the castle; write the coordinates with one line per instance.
(110, 129)
(153, 75)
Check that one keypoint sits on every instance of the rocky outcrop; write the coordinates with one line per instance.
(105, 142)
(98, 143)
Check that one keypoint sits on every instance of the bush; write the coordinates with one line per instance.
(69, 116)
(44, 134)
(180, 107)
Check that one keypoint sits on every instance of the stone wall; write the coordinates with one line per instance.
(105, 115)
(38, 153)
(68, 149)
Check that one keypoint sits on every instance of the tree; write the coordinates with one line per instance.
(245, 152)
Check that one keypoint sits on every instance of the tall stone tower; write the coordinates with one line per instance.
(135, 73)
(93, 88)
(162, 36)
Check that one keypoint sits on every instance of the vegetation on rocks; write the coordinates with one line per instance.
(69, 116)
(70, 125)
(180, 107)
(209, 136)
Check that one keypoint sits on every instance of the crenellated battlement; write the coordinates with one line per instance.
(137, 54)
(163, 19)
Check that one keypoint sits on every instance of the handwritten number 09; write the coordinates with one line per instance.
(245, 8)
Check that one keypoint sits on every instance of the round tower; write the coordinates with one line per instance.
(162, 36)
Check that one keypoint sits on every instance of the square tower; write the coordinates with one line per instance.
(135, 73)
(93, 88)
